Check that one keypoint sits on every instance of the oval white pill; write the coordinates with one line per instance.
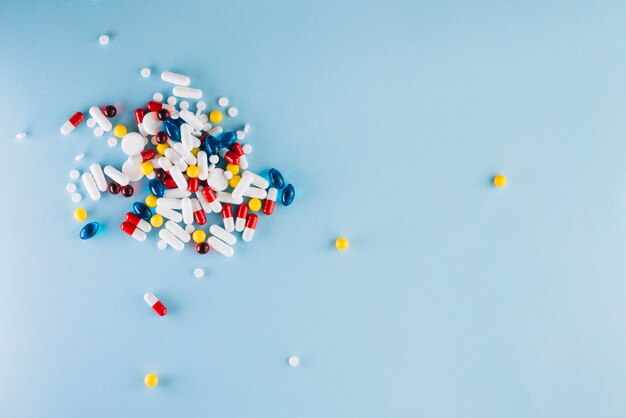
(133, 143)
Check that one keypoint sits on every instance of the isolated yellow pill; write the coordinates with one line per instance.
(198, 236)
(80, 214)
(342, 243)
(151, 380)
(119, 131)
(499, 180)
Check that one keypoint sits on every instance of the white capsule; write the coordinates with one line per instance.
(176, 193)
(186, 137)
(203, 165)
(138, 234)
(191, 119)
(90, 185)
(203, 202)
(185, 155)
(226, 197)
(164, 163)
(169, 214)
(246, 128)
(259, 181)
(171, 240)
(255, 192)
(175, 159)
(243, 162)
(115, 175)
(175, 78)
(98, 176)
(178, 231)
(223, 234)
(79, 156)
(245, 182)
(100, 119)
(221, 247)
(187, 210)
(232, 112)
(187, 92)
(169, 203)
(178, 177)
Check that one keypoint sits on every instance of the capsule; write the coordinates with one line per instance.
(227, 139)
(248, 231)
(193, 184)
(142, 210)
(242, 214)
(133, 230)
(237, 149)
(231, 157)
(156, 187)
(198, 214)
(169, 182)
(155, 304)
(211, 199)
(89, 230)
(72, 123)
(227, 216)
(100, 119)
(288, 194)
(143, 156)
(276, 178)
(178, 177)
(154, 106)
(187, 210)
(172, 129)
(270, 201)
(138, 222)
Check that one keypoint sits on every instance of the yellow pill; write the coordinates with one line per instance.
(146, 168)
(499, 180)
(161, 148)
(80, 214)
(193, 171)
(195, 151)
(156, 220)
(198, 236)
(151, 380)
(233, 168)
(254, 205)
(151, 200)
(342, 243)
(234, 181)
(215, 116)
(119, 131)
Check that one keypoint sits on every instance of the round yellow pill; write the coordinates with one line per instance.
(233, 168)
(193, 171)
(234, 181)
(499, 180)
(215, 116)
(119, 131)
(151, 200)
(80, 214)
(151, 380)
(198, 236)
(146, 168)
(161, 148)
(254, 205)
(342, 243)
(156, 220)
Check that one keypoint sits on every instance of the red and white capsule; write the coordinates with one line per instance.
(227, 217)
(139, 114)
(248, 231)
(143, 156)
(270, 201)
(134, 219)
(72, 122)
(198, 214)
(155, 304)
(212, 200)
(133, 231)
(242, 214)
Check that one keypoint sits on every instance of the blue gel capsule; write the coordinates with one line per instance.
(212, 145)
(227, 139)
(89, 230)
(157, 187)
(142, 210)
(276, 178)
(288, 194)
(172, 129)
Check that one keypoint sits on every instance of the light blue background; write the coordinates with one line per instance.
(455, 299)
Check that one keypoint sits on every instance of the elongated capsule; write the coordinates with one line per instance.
(178, 231)
(248, 231)
(169, 183)
(155, 304)
(169, 203)
(187, 92)
(191, 119)
(227, 217)
(242, 214)
(223, 234)
(193, 184)
(138, 222)
(156, 187)
(171, 240)
(89, 230)
(133, 231)
(90, 185)
(255, 193)
(226, 197)
(270, 201)
(100, 119)
(175, 78)
(116, 175)
(169, 214)
(203, 165)
(289, 192)
(221, 247)
(143, 156)
(98, 176)
(259, 181)
(142, 210)
(176, 193)
(211, 198)
(139, 114)
(72, 123)
(276, 178)
(154, 106)
(178, 178)
(187, 210)
(244, 183)
(186, 137)
(198, 213)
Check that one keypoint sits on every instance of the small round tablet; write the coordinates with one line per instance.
(200, 106)
(172, 100)
(214, 159)
(71, 187)
(76, 197)
(104, 39)
(112, 142)
(184, 104)
(20, 135)
(198, 272)
(232, 112)
(247, 149)
(145, 72)
(91, 122)
(222, 101)
(157, 97)
(293, 361)
(98, 131)
(74, 174)
(204, 118)
(240, 135)
(161, 245)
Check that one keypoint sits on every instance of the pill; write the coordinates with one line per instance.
(71, 187)
(142, 210)
(270, 201)
(20, 135)
(242, 214)
(145, 72)
(255, 192)
(227, 217)
(341, 244)
(169, 214)
(254, 205)
(248, 231)
(203, 165)
(215, 116)
(103, 39)
(156, 305)
(187, 92)
(100, 119)
(91, 122)
(293, 361)
(72, 123)
(222, 101)
(258, 181)
(114, 188)
(193, 183)
(151, 379)
(89, 230)
(112, 142)
(212, 199)
(244, 183)
(191, 119)
(161, 245)
(186, 137)
(203, 203)
(289, 192)
(115, 175)
(198, 273)
(189, 229)
(127, 191)
(175, 78)
(151, 123)
(80, 214)
(223, 234)
(76, 197)
(132, 143)
(98, 176)
(132, 170)
(276, 178)
(198, 213)
(232, 112)
(119, 131)
(79, 157)
(74, 174)
(499, 181)
(171, 240)
(221, 247)
(90, 186)
(156, 187)
(176, 193)
(178, 231)
(198, 236)
(202, 247)
(133, 230)
(178, 178)
(187, 210)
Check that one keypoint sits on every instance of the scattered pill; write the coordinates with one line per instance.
(119, 131)
(341, 243)
(112, 142)
(71, 187)
(222, 101)
(293, 361)
(89, 230)
(145, 72)
(500, 181)
(232, 112)
(198, 273)
(215, 116)
(91, 122)
(289, 192)
(80, 214)
(151, 380)
(79, 157)
(155, 304)
(74, 174)
(161, 245)
(73, 122)
(157, 97)
(104, 39)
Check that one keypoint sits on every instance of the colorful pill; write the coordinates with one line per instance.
(212, 200)
(142, 210)
(133, 230)
(242, 214)
(89, 230)
(156, 187)
(198, 214)
(289, 192)
(72, 123)
(276, 178)
(227, 217)
(270, 201)
(155, 304)
(248, 231)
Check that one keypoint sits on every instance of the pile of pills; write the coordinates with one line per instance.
(192, 166)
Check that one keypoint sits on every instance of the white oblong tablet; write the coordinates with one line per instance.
(226, 197)
(98, 176)
(259, 181)
(223, 234)
(133, 143)
(187, 92)
(177, 230)
(100, 119)
(171, 240)
(90, 185)
(255, 192)
(244, 183)
(191, 119)
(151, 123)
(169, 214)
(132, 170)
(175, 78)
(178, 178)
(221, 247)
(115, 175)
(187, 210)
(169, 203)
(186, 137)
(176, 193)
(203, 165)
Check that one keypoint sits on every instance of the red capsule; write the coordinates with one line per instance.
(227, 217)
(154, 106)
(147, 155)
(192, 184)
(231, 157)
(242, 214)
(169, 182)
(270, 201)
(237, 149)
(198, 213)
(133, 230)
(209, 194)
(155, 304)
(139, 114)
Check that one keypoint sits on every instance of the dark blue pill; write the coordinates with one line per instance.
(142, 210)
(157, 187)
(276, 178)
(227, 139)
(89, 230)
(172, 129)
(288, 194)
(212, 145)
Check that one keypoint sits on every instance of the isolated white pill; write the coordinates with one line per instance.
(232, 112)
(198, 272)
(145, 72)
(76, 197)
(222, 101)
(175, 78)
(161, 245)
(157, 97)
(79, 156)
(187, 92)
(104, 39)
(294, 361)
(74, 174)
(112, 142)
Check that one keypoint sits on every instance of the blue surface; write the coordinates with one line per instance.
(454, 299)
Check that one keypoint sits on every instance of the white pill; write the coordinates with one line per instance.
(246, 128)
(203, 202)
(115, 175)
(294, 361)
(228, 175)
(183, 105)
(98, 176)
(161, 245)
(169, 203)
(244, 183)
(204, 118)
(171, 100)
(74, 174)
(175, 78)
(214, 159)
(216, 131)
(90, 186)
(259, 181)
(216, 180)
(169, 214)
(240, 135)
(178, 231)
(222, 101)
(71, 187)
(145, 72)
(187, 210)
(203, 165)
(98, 131)
(178, 177)
(132, 170)
(221, 247)
(157, 97)
(151, 123)
(171, 240)
(198, 273)
(76, 197)
(187, 92)
(91, 122)
(100, 119)
(112, 142)
(255, 192)
(232, 112)
(189, 229)
(176, 193)
(20, 135)
(186, 137)
(104, 39)
(133, 143)
(223, 234)
(200, 106)
(79, 156)
(247, 148)
(191, 119)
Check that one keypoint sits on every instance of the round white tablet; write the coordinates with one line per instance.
(172, 100)
(247, 149)
(132, 170)
(198, 272)
(112, 142)
(71, 187)
(200, 105)
(104, 39)
(91, 122)
(98, 131)
(222, 101)
(151, 123)
(76, 197)
(190, 229)
(214, 159)
(183, 105)
(133, 143)
(240, 135)
(293, 361)
(157, 97)
(74, 174)
(145, 72)
(161, 245)
(232, 112)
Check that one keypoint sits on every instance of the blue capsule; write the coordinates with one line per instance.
(212, 145)
(227, 139)
(142, 210)
(172, 129)
(276, 178)
(289, 193)
(89, 230)
(157, 187)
